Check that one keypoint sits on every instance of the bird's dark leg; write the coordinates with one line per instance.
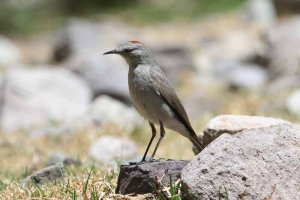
(150, 142)
(162, 134)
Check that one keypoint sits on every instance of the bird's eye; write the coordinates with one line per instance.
(126, 50)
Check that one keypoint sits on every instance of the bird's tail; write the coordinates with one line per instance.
(198, 147)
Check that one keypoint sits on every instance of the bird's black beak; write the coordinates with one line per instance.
(111, 52)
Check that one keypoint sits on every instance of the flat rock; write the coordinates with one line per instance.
(259, 163)
(49, 174)
(148, 177)
(233, 124)
(111, 149)
(42, 97)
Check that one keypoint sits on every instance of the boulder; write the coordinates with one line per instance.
(35, 98)
(233, 124)
(47, 175)
(148, 177)
(111, 149)
(258, 163)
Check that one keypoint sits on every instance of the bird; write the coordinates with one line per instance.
(153, 95)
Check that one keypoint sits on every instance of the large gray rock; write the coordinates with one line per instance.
(9, 54)
(148, 177)
(253, 164)
(47, 175)
(111, 149)
(41, 97)
(80, 45)
(233, 124)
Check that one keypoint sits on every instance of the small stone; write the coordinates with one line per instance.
(111, 149)
(148, 177)
(49, 174)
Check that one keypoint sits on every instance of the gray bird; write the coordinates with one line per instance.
(153, 95)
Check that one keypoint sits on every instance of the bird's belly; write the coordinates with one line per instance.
(154, 109)
(151, 106)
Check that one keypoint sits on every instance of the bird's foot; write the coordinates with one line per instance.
(153, 160)
(133, 163)
(138, 163)
(146, 161)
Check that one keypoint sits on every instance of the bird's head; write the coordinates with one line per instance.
(134, 52)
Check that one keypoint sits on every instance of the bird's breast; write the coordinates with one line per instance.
(142, 95)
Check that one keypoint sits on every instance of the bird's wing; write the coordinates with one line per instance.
(164, 88)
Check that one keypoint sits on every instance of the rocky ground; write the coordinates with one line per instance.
(67, 123)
